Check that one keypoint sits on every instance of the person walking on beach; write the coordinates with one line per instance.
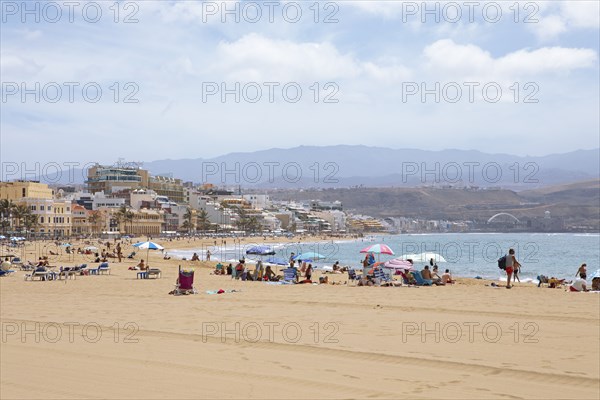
(582, 272)
(208, 255)
(516, 272)
(511, 264)
(119, 252)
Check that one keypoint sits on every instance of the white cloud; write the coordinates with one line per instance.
(14, 66)
(560, 17)
(581, 14)
(550, 27)
(258, 58)
(472, 61)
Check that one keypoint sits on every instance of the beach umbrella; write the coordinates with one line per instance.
(276, 261)
(423, 257)
(309, 256)
(148, 246)
(2, 237)
(398, 263)
(261, 250)
(66, 245)
(596, 274)
(378, 249)
(90, 248)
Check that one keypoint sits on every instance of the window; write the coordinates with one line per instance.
(42, 208)
(23, 192)
(41, 220)
(32, 208)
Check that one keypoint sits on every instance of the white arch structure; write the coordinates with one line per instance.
(503, 213)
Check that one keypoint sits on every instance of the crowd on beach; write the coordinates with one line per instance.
(302, 271)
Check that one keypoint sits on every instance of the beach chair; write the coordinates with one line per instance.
(69, 272)
(185, 283)
(153, 272)
(103, 268)
(419, 279)
(40, 273)
(382, 278)
(379, 276)
(352, 277)
(27, 266)
(6, 273)
(17, 262)
(290, 275)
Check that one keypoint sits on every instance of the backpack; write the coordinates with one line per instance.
(502, 262)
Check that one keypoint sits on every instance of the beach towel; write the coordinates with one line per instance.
(221, 291)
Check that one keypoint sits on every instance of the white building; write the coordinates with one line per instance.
(258, 201)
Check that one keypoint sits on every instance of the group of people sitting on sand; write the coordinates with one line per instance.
(434, 276)
(578, 284)
(261, 273)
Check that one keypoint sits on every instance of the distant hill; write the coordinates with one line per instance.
(348, 166)
(583, 194)
(578, 202)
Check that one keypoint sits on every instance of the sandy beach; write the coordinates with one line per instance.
(114, 336)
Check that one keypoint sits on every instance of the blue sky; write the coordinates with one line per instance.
(374, 54)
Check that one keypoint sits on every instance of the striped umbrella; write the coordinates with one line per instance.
(148, 246)
(378, 249)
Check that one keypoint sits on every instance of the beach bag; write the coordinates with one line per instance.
(502, 262)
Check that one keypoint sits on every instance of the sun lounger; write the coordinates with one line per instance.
(419, 279)
(27, 266)
(6, 273)
(104, 268)
(41, 274)
(154, 272)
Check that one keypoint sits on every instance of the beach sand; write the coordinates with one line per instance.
(113, 336)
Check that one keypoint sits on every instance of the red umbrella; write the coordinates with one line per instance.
(378, 249)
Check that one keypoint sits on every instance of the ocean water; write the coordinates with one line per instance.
(466, 254)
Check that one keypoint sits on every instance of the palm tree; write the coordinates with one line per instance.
(129, 215)
(95, 218)
(253, 224)
(31, 221)
(203, 221)
(6, 210)
(125, 215)
(188, 220)
(21, 212)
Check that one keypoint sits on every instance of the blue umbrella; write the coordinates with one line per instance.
(309, 256)
(276, 261)
(261, 250)
(148, 246)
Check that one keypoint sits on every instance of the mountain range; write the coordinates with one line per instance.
(349, 166)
